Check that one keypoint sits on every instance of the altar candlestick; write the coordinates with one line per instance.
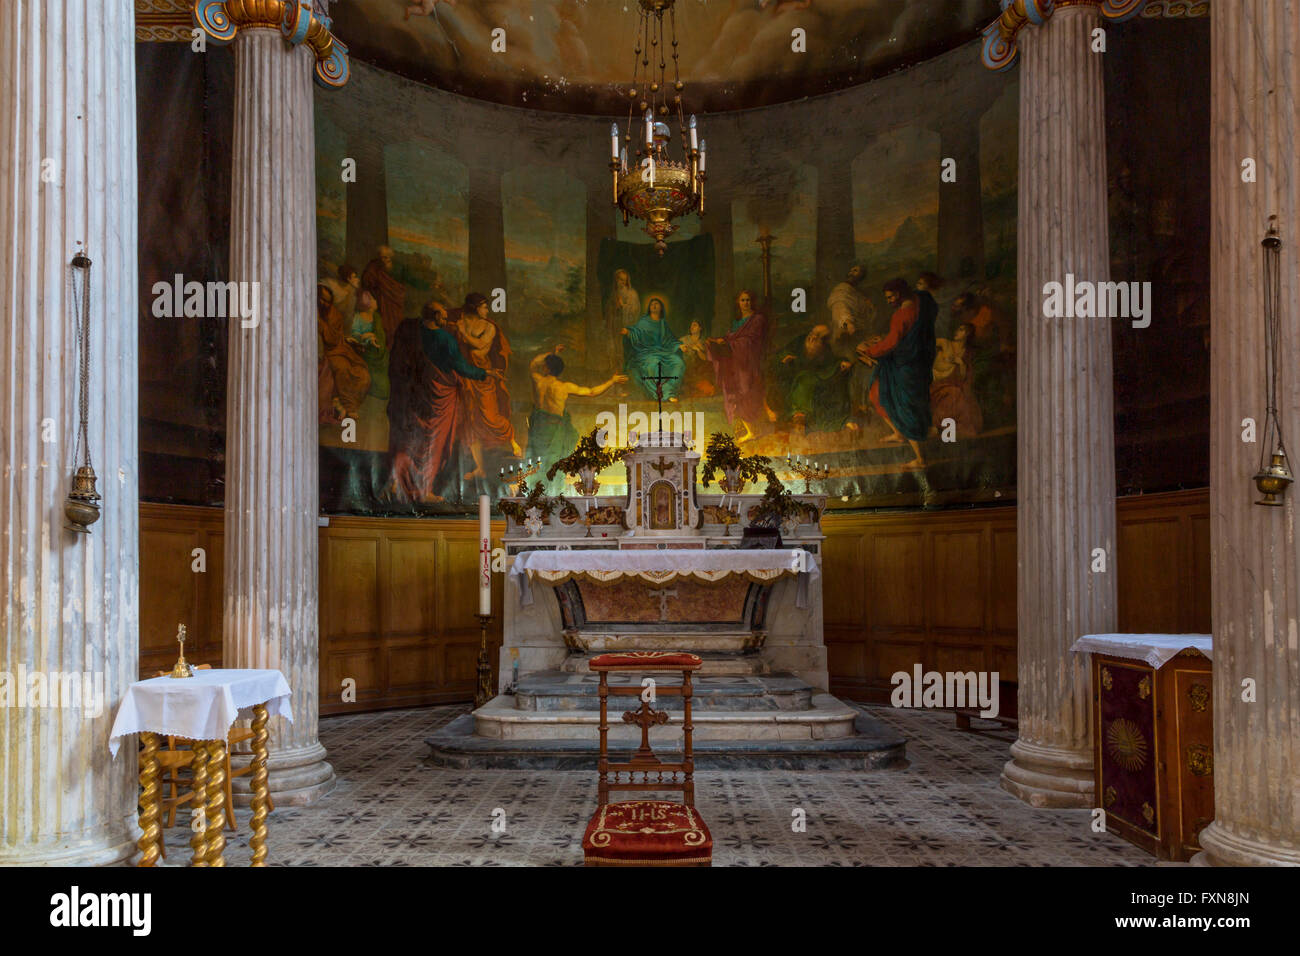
(485, 556)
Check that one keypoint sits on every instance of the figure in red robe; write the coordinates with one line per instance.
(388, 291)
(903, 367)
(427, 375)
(487, 400)
(737, 360)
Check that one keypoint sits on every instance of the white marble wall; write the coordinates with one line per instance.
(69, 603)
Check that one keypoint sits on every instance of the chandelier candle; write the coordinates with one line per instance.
(484, 556)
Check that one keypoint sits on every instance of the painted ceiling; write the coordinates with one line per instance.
(576, 55)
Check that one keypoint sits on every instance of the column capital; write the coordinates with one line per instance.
(1000, 51)
(221, 20)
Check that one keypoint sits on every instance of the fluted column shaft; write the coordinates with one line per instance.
(1066, 450)
(69, 603)
(271, 578)
(1254, 556)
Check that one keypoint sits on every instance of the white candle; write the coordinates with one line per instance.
(695, 136)
(484, 556)
(704, 146)
(613, 141)
(649, 128)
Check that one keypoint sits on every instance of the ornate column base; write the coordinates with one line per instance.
(118, 848)
(1219, 847)
(1049, 777)
(296, 778)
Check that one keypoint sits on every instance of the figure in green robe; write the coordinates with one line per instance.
(810, 383)
(650, 349)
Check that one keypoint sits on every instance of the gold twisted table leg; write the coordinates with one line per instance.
(149, 793)
(257, 842)
(216, 819)
(198, 805)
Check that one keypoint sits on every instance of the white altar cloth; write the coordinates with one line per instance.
(661, 568)
(202, 707)
(1155, 649)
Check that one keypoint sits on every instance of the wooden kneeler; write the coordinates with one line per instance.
(646, 832)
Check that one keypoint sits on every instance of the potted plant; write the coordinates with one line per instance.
(536, 501)
(587, 461)
(777, 508)
(723, 455)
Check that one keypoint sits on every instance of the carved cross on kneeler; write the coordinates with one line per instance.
(647, 717)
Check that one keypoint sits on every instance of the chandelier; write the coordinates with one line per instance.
(656, 187)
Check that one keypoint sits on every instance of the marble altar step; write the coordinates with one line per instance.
(830, 735)
(555, 691)
(715, 643)
(719, 663)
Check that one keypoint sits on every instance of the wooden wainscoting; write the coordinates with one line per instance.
(939, 587)
(398, 595)
(397, 603)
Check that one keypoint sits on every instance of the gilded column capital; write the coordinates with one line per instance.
(296, 20)
(1000, 51)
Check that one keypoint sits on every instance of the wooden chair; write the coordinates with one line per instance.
(646, 832)
(174, 759)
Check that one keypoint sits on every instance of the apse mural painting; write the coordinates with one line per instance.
(832, 304)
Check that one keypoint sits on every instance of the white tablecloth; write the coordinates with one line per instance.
(660, 568)
(202, 707)
(1155, 649)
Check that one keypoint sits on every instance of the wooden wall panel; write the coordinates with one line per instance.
(398, 599)
(398, 596)
(939, 588)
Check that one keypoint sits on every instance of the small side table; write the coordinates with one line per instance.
(1153, 737)
(201, 709)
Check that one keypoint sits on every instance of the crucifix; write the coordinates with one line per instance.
(659, 378)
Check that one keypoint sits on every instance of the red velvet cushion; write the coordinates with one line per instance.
(646, 660)
(648, 832)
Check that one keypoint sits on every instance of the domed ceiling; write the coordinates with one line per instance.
(576, 55)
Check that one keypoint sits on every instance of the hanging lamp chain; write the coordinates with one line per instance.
(81, 309)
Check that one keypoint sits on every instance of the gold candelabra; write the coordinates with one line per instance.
(809, 471)
(519, 479)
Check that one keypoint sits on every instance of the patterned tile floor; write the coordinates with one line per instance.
(393, 808)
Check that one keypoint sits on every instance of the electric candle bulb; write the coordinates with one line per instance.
(695, 137)
(613, 141)
(704, 146)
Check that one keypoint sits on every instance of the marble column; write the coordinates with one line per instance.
(272, 491)
(961, 213)
(69, 603)
(487, 233)
(1254, 555)
(1065, 444)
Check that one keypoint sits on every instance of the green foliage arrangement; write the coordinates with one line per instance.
(536, 498)
(588, 454)
(722, 453)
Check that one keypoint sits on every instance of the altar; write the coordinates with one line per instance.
(663, 567)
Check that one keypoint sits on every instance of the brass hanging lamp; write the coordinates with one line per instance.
(1274, 475)
(82, 504)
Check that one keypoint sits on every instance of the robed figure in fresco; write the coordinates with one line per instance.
(737, 359)
(903, 362)
(810, 383)
(649, 344)
(487, 401)
(427, 376)
(388, 291)
(344, 377)
(624, 305)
